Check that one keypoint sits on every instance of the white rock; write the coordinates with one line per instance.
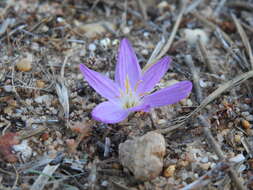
(249, 118)
(115, 42)
(43, 99)
(146, 34)
(126, 30)
(24, 149)
(8, 88)
(92, 47)
(105, 42)
(144, 52)
(192, 35)
(238, 158)
(202, 83)
(204, 160)
(143, 156)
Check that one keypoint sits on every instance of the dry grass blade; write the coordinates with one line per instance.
(193, 6)
(244, 38)
(220, 168)
(247, 146)
(204, 54)
(154, 54)
(173, 33)
(42, 180)
(224, 87)
(143, 9)
(195, 77)
(62, 91)
(241, 5)
(219, 152)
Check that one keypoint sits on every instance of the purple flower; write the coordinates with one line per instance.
(131, 89)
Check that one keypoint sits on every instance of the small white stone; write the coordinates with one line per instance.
(115, 42)
(24, 149)
(245, 114)
(249, 118)
(60, 19)
(146, 34)
(189, 102)
(8, 88)
(242, 168)
(126, 30)
(43, 99)
(163, 4)
(202, 83)
(144, 52)
(238, 158)
(204, 160)
(192, 35)
(104, 183)
(92, 47)
(105, 43)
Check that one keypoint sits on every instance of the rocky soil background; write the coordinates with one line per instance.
(48, 139)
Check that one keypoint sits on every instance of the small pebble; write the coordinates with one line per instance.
(146, 34)
(192, 36)
(245, 124)
(202, 83)
(189, 102)
(40, 84)
(249, 118)
(238, 158)
(204, 160)
(162, 5)
(24, 65)
(104, 183)
(237, 138)
(245, 114)
(249, 132)
(205, 166)
(144, 52)
(25, 150)
(126, 30)
(8, 88)
(105, 43)
(169, 171)
(92, 47)
(115, 42)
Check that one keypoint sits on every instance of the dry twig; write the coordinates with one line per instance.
(42, 180)
(143, 9)
(206, 59)
(171, 38)
(195, 77)
(244, 38)
(206, 125)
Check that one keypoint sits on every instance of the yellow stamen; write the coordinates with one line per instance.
(137, 84)
(127, 85)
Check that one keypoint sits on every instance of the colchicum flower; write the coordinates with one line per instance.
(131, 89)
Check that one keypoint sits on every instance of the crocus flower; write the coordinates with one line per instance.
(130, 90)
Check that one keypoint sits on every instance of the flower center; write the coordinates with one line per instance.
(129, 98)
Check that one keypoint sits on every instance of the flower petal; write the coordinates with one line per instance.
(109, 112)
(169, 95)
(127, 65)
(153, 75)
(144, 108)
(102, 84)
